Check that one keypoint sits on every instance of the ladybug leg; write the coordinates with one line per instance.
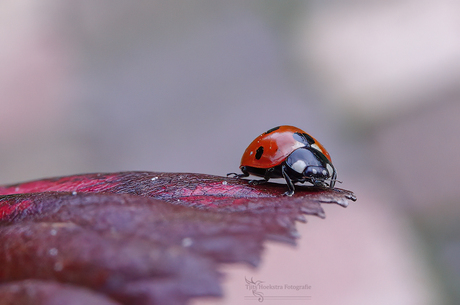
(257, 182)
(289, 183)
(267, 176)
(268, 173)
(235, 175)
(333, 178)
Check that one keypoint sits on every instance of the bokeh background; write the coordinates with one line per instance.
(184, 86)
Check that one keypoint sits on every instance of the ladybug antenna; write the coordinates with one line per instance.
(332, 181)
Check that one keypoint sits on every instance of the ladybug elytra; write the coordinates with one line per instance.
(290, 153)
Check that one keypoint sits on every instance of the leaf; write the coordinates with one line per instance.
(199, 190)
(50, 293)
(142, 237)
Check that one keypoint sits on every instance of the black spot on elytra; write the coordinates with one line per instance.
(259, 152)
(272, 130)
(303, 138)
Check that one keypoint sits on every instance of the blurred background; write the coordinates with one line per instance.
(185, 86)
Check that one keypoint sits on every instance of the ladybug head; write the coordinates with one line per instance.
(317, 172)
(307, 164)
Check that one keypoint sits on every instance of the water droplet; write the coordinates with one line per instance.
(187, 242)
(58, 266)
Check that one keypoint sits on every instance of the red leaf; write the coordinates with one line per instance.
(49, 293)
(119, 234)
(205, 191)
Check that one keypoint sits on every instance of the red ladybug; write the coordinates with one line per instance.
(290, 153)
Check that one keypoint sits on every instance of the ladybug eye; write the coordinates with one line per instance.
(259, 152)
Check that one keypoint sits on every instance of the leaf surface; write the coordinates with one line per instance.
(144, 237)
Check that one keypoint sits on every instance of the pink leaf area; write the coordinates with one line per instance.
(140, 237)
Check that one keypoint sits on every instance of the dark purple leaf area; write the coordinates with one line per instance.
(140, 237)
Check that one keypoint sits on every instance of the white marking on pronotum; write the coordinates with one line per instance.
(299, 166)
(315, 146)
(324, 172)
(314, 171)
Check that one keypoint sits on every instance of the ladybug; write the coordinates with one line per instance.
(290, 153)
